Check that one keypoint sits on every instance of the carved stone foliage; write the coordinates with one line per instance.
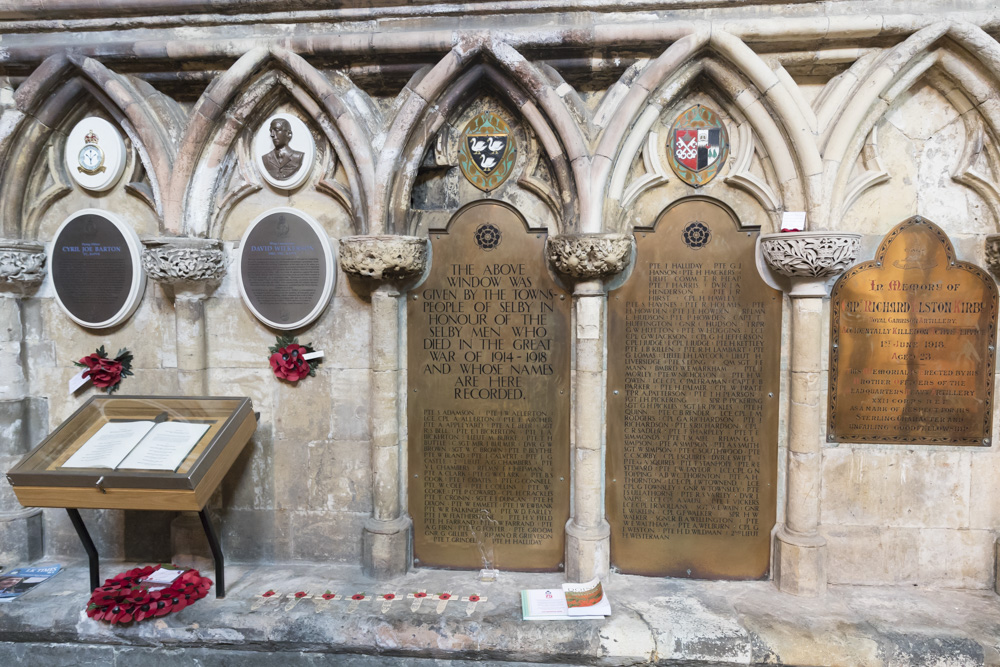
(993, 254)
(22, 263)
(383, 257)
(589, 256)
(810, 254)
(183, 260)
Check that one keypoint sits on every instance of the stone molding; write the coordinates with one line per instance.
(589, 256)
(810, 254)
(22, 263)
(179, 260)
(993, 260)
(383, 257)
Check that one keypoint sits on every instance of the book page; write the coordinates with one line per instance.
(109, 445)
(165, 447)
(586, 598)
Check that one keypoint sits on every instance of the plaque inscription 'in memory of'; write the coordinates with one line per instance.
(912, 344)
(488, 406)
(693, 361)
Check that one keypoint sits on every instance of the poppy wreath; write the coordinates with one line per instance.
(124, 598)
(105, 373)
(287, 362)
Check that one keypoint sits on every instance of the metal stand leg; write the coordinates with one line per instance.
(88, 544)
(220, 563)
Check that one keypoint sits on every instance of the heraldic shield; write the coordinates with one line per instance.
(698, 145)
(488, 151)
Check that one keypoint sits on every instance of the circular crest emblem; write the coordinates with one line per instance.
(697, 235)
(488, 151)
(698, 145)
(487, 236)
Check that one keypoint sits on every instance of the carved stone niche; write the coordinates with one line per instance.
(589, 256)
(993, 258)
(22, 263)
(180, 262)
(383, 257)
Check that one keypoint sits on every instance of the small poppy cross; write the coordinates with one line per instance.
(264, 598)
(418, 599)
(323, 601)
(356, 599)
(293, 599)
(442, 599)
(473, 600)
(386, 599)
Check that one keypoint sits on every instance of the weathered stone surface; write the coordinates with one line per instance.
(175, 261)
(589, 256)
(22, 263)
(810, 254)
(378, 257)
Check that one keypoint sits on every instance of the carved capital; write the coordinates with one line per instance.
(179, 261)
(383, 257)
(589, 256)
(993, 254)
(22, 263)
(810, 254)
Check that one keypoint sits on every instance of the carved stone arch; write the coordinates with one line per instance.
(964, 53)
(50, 96)
(763, 98)
(433, 96)
(755, 136)
(235, 97)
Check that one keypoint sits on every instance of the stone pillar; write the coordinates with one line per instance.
(379, 266)
(189, 270)
(808, 259)
(585, 259)
(22, 269)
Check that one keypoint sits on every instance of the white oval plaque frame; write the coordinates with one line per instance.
(138, 287)
(109, 140)
(328, 284)
(302, 140)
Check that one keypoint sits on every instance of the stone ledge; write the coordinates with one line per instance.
(668, 621)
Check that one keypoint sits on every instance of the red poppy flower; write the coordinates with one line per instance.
(301, 594)
(389, 596)
(473, 598)
(358, 596)
(288, 364)
(268, 594)
(444, 596)
(420, 595)
(328, 595)
(102, 372)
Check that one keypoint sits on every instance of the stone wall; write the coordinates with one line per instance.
(861, 114)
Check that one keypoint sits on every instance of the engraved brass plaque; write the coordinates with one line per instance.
(488, 343)
(911, 345)
(693, 376)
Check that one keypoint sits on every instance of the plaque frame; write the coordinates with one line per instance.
(330, 262)
(112, 147)
(138, 287)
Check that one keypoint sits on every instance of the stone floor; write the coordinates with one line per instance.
(661, 621)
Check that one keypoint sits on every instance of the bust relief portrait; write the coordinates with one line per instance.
(283, 148)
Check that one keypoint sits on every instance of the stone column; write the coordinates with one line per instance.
(22, 269)
(993, 264)
(189, 270)
(586, 259)
(808, 259)
(379, 266)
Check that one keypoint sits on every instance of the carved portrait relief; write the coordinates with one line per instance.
(284, 150)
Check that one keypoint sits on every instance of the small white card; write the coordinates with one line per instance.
(78, 381)
(313, 355)
(793, 220)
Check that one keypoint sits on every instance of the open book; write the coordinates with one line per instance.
(569, 602)
(139, 445)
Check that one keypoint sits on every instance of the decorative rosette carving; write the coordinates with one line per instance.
(383, 257)
(993, 254)
(175, 261)
(810, 254)
(22, 263)
(589, 256)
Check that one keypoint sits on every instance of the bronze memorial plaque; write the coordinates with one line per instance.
(693, 372)
(488, 343)
(911, 345)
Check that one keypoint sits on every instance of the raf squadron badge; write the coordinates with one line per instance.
(698, 145)
(488, 151)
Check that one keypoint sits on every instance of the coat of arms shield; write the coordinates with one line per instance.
(698, 145)
(488, 151)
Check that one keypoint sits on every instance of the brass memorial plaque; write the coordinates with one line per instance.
(488, 413)
(693, 375)
(911, 345)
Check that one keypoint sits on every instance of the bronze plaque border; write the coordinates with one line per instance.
(985, 438)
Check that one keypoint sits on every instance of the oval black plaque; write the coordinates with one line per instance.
(96, 272)
(285, 268)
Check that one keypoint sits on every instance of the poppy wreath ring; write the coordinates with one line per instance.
(124, 598)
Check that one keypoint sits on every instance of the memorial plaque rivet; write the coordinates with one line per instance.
(770, 394)
(616, 392)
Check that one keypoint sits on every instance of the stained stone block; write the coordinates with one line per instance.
(20, 537)
(326, 536)
(106, 528)
(301, 410)
(254, 535)
(249, 484)
(339, 476)
(350, 403)
(235, 338)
